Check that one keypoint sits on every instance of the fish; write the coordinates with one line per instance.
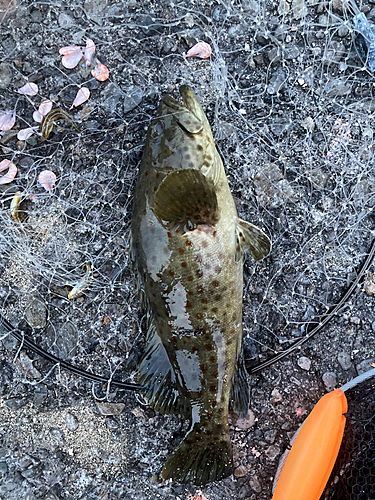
(50, 119)
(187, 247)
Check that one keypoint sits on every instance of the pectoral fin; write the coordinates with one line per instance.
(184, 117)
(186, 197)
(251, 239)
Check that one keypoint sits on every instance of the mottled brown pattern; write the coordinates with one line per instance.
(196, 350)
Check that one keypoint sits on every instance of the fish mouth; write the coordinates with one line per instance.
(191, 102)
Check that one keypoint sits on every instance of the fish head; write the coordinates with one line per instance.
(180, 137)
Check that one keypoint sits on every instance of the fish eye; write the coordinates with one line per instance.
(159, 128)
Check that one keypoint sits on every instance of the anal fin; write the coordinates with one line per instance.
(240, 395)
(156, 374)
(251, 239)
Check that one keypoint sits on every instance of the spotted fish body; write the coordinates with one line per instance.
(187, 247)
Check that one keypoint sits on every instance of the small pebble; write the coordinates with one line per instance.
(276, 396)
(365, 365)
(241, 471)
(113, 409)
(71, 421)
(304, 363)
(246, 422)
(329, 380)
(345, 361)
(309, 123)
(36, 313)
(255, 484)
(272, 452)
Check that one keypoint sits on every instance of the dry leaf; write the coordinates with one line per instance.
(82, 95)
(201, 49)
(28, 89)
(47, 179)
(7, 120)
(72, 55)
(10, 175)
(25, 133)
(89, 51)
(100, 72)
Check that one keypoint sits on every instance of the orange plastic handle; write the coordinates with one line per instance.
(314, 452)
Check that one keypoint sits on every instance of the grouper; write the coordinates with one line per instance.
(187, 247)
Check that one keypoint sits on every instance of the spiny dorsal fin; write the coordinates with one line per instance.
(183, 115)
(186, 197)
(251, 239)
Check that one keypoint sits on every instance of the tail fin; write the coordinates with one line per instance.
(202, 457)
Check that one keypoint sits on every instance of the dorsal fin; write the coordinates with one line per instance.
(183, 115)
(186, 197)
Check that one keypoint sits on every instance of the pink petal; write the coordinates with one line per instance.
(10, 175)
(37, 117)
(47, 179)
(70, 49)
(200, 49)
(7, 120)
(89, 51)
(71, 60)
(28, 89)
(100, 72)
(45, 107)
(25, 133)
(82, 95)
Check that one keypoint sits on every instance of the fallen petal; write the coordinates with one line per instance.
(100, 72)
(45, 107)
(28, 89)
(47, 179)
(37, 117)
(89, 51)
(7, 120)
(201, 49)
(10, 175)
(82, 95)
(71, 60)
(25, 133)
(70, 49)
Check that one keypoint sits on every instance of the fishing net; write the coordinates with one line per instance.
(291, 105)
(353, 475)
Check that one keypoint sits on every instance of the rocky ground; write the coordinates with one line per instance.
(291, 106)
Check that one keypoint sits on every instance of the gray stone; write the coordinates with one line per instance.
(66, 341)
(272, 452)
(113, 409)
(337, 88)
(299, 9)
(36, 313)
(277, 82)
(345, 361)
(65, 21)
(271, 188)
(16, 403)
(270, 435)
(133, 97)
(95, 9)
(365, 365)
(5, 75)
(304, 363)
(329, 380)
(71, 421)
(308, 123)
(255, 484)
(3, 468)
(291, 52)
(246, 422)
(26, 366)
(343, 31)
(40, 394)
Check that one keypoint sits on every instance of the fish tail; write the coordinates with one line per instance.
(203, 456)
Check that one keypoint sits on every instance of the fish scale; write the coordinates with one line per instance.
(187, 248)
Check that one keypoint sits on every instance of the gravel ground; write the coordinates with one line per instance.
(291, 106)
